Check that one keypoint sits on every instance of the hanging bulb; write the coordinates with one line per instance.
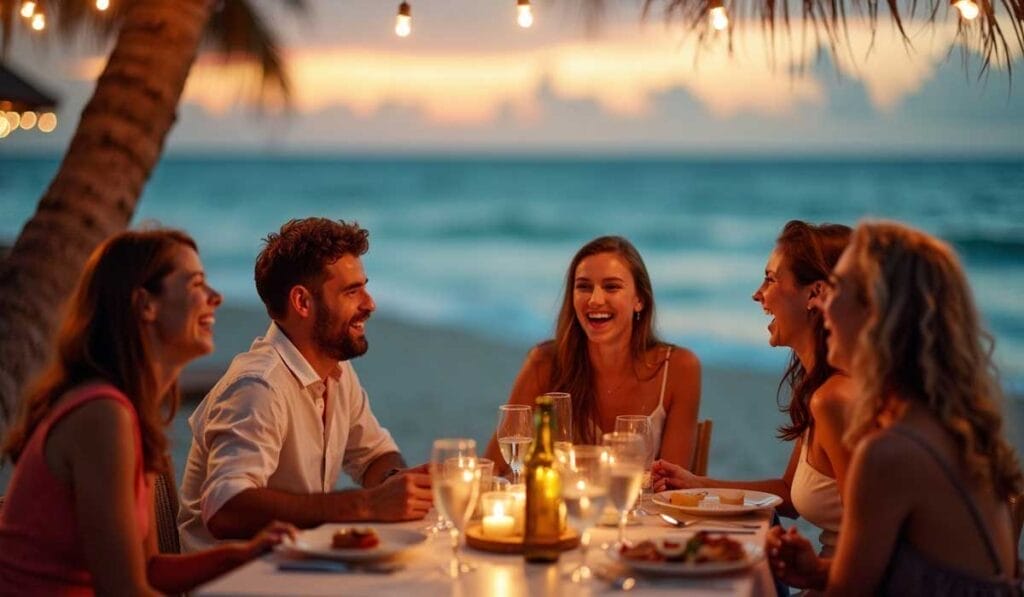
(28, 8)
(39, 21)
(47, 122)
(403, 22)
(968, 9)
(718, 16)
(524, 14)
(102, 5)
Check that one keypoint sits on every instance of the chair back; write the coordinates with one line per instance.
(1017, 516)
(699, 464)
(165, 501)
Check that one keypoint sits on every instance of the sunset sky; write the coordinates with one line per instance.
(470, 79)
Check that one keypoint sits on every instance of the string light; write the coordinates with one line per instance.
(47, 122)
(102, 5)
(968, 9)
(403, 22)
(718, 16)
(5, 127)
(28, 8)
(524, 14)
(28, 120)
(39, 21)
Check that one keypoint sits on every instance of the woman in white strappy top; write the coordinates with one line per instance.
(606, 355)
(794, 281)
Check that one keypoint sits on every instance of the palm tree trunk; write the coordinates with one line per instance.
(117, 144)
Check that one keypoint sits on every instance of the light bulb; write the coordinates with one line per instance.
(719, 19)
(28, 8)
(28, 120)
(5, 127)
(968, 9)
(102, 4)
(524, 13)
(47, 122)
(403, 22)
(39, 21)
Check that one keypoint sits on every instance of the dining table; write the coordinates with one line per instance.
(421, 570)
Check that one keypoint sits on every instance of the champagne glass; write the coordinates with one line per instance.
(455, 477)
(515, 434)
(586, 473)
(640, 424)
(626, 453)
(562, 403)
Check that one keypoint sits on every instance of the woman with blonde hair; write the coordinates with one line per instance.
(78, 517)
(607, 356)
(926, 501)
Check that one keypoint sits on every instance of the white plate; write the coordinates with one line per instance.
(710, 506)
(755, 553)
(316, 543)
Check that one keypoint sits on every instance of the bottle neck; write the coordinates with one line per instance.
(542, 444)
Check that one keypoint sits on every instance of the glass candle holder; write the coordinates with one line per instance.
(498, 509)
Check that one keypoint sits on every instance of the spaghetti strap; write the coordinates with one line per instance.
(968, 500)
(664, 377)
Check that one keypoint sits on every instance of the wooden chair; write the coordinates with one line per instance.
(165, 501)
(699, 465)
(1017, 516)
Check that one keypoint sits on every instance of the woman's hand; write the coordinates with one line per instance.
(271, 535)
(665, 475)
(793, 560)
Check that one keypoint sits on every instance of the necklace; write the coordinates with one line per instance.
(618, 386)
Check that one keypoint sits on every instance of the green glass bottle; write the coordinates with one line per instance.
(543, 489)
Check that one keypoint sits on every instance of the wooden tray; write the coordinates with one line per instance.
(476, 539)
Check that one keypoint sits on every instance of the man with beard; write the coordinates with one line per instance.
(271, 438)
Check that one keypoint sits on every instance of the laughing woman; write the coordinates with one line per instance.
(926, 501)
(79, 515)
(794, 280)
(606, 355)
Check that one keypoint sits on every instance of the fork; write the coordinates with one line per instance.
(682, 524)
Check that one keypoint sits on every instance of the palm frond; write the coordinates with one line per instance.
(236, 32)
(827, 19)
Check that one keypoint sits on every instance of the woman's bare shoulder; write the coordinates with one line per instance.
(833, 398)
(680, 358)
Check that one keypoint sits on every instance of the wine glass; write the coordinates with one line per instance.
(455, 477)
(562, 404)
(626, 453)
(640, 424)
(515, 434)
(585, 477)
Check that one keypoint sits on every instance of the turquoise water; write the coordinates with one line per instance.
(481, 244)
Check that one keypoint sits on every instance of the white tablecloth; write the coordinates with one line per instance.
(496, 575)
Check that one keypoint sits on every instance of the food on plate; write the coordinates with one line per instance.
(731, 497)
(690, 500)
(355, 538)
(702, 547)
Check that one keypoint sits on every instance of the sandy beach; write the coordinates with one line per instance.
(428, 382)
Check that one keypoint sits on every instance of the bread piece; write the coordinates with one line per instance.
(690, 500)
(731, 497)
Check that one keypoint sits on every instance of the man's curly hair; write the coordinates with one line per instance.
(299, 254)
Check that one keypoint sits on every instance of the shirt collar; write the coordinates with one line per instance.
(294, 360)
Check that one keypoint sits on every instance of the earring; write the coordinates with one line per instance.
(637, 316)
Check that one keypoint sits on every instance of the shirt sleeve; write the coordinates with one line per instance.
(244, 432)
(367, 439)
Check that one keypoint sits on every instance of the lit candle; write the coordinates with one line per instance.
(498, 508)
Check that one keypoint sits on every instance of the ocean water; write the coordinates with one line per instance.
(482, 243)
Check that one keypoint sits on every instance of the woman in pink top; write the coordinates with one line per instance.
(78, 517)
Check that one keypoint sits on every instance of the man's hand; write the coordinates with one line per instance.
(403, 496)
(665, 475)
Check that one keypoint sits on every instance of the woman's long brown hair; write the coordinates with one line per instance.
(571, 368)
(810, 252)
(101, 339)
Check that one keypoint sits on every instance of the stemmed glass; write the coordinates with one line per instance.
(515, 434)
(585, 472)
(640, 424)
(455, 477)
(626, 453)
(562, 404)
